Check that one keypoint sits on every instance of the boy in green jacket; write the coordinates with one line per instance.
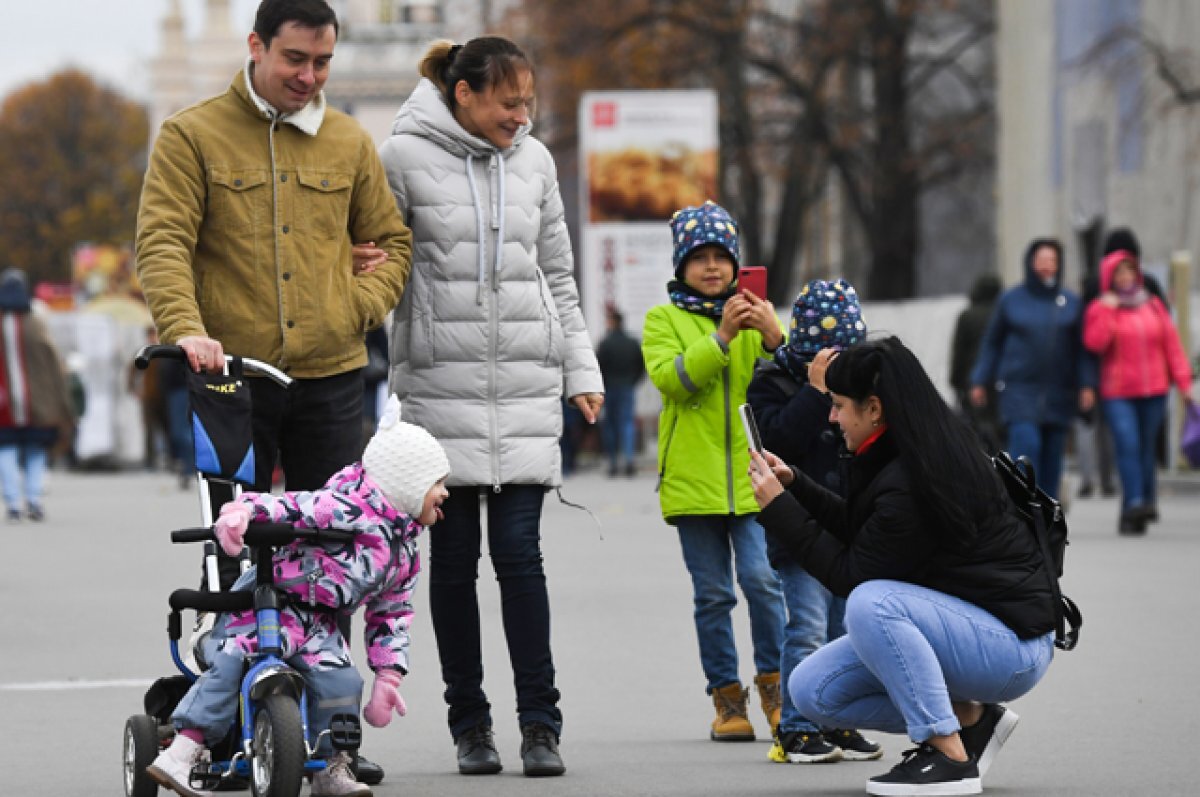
(700, 350)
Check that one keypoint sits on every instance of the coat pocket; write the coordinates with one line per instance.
(421, 327)
(238, 199)
(552, 324)
(323, 202)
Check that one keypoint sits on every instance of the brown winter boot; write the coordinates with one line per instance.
(731, 724)
(772, 698)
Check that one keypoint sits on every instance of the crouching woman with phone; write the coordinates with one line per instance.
(949, 607)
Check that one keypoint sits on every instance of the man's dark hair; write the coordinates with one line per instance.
(274, 14)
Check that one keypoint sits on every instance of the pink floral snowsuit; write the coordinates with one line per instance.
(378, 570)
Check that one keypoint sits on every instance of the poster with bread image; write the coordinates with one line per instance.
(647, 153)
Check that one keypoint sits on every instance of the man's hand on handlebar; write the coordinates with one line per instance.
(203, 354)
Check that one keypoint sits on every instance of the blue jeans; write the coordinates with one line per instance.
(714, 546)
(1044, 445)
(22, 474)
(907, 653)
(1135, 425)
(619, 430)
(814, 617)
(514, 543)
(332, 683)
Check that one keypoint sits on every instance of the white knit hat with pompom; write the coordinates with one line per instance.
(404, 460)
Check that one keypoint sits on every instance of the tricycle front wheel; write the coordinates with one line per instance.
(277, 768)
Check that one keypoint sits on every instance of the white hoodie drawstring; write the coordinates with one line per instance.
(499, 260)
(480, 226)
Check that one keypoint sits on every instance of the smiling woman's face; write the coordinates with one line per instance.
(497, 112)
(858, 421)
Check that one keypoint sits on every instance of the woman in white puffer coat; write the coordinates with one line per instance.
(486, 339)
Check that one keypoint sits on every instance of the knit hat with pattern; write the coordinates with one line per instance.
(826, 315)
(693, 227)
(404, 460)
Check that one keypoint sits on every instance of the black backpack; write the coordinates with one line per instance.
(1044, 516)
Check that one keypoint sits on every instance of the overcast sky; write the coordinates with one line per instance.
(112, 39)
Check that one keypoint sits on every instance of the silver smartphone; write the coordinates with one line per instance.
(751, 427)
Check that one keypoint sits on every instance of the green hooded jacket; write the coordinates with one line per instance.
(703, 457)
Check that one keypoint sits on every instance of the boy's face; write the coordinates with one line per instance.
(708, 270)
(431, 509)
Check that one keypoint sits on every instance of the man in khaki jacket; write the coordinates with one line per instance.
(249, 207)
(250, 204)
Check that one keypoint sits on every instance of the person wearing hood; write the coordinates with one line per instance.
(35, 403)
(486, 342)
(1032, 355)
(1140, 357)
(968, 332)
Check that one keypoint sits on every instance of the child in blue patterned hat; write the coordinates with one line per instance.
(792, 409)
(700, 349)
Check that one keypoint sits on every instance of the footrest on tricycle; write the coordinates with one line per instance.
(345, 732)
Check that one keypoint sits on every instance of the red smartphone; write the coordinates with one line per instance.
(753, 279)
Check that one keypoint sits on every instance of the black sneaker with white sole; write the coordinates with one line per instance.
(803, 747)
(855, 746)
(985, 738)
(926, 771)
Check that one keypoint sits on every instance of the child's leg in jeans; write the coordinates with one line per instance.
(334, 684)
(211, 704)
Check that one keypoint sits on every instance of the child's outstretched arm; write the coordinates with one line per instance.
(388, 615)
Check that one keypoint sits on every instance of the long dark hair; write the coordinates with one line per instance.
(945, 462)
(484, 62)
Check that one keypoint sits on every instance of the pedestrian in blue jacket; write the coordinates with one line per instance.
(1032, 353)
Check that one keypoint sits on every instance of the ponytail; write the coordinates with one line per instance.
(484, 62)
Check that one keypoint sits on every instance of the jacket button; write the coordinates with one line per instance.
(286, 229)
(237, 182)
(324, 183)
(283, 178)
(287, 275)
(291, 324)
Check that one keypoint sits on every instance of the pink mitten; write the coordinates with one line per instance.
(231, 527)
(385, 696)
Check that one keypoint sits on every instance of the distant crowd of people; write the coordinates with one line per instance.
(1040, 361)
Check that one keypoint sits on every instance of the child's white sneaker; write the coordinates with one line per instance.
(173, 766)
(336, 779)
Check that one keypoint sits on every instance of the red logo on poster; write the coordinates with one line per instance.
(604, 114)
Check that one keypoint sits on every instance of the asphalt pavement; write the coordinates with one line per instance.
(84, 633)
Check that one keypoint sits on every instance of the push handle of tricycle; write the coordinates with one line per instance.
(157, 351)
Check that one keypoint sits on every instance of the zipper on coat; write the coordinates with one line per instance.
(729, 491)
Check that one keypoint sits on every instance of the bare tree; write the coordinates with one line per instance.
(891, 96)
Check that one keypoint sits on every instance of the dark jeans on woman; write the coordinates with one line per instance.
(1135, 424)
(1044, 445)
(514, 544)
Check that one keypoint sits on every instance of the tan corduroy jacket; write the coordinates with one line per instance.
(245, 228)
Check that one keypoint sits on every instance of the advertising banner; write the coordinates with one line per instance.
(643, 154)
